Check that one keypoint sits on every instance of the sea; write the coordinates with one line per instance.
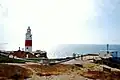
(66, 50)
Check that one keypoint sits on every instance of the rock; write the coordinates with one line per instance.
(13, 71)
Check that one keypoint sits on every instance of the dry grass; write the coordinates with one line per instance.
(12, 71)
(62, 69)
(94, 71)
(89, 70)
(50, 70)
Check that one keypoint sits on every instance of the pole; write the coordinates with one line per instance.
(107, 48)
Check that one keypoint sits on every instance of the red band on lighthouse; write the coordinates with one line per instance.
(28, 42)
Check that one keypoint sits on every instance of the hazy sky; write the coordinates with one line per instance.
(59, 22)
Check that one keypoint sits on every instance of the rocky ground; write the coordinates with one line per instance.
(85, 71)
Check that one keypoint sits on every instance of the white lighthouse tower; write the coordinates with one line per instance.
(28, 40)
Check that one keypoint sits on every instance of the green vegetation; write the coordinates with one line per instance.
(4, 59)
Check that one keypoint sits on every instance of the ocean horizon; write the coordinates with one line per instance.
(65, 50)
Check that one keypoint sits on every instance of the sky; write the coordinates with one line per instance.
(56, 22)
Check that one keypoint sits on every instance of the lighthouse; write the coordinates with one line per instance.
(28, 40)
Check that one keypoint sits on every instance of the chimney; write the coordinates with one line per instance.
(22, 49)
(19, 48)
